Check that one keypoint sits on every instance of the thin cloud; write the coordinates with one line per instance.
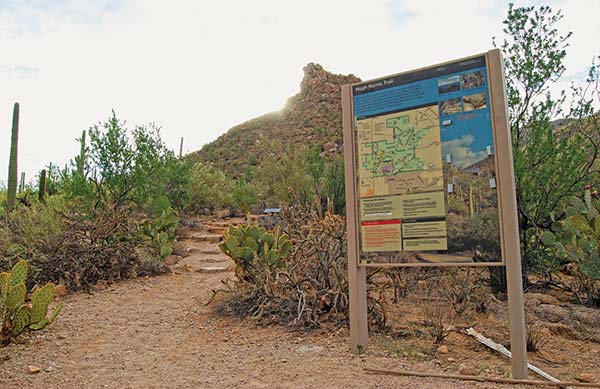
(461, 152)
(197, 68)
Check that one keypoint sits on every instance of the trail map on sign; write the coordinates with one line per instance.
(400, 153)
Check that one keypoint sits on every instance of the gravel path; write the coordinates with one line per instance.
(157, 333)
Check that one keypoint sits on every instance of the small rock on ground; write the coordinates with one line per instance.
(309, 348)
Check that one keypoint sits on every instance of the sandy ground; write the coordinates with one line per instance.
(157, 333)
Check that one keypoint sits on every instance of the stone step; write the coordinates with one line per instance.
(210, 238)
(215, 259)
(210, 251)
(220, 224)
(213, 268)
(215, 229)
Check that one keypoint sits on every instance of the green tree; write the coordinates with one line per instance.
(551, 165)
(133, 167)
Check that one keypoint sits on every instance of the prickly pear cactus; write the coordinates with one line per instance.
(18, 273)
(15, 315)
(255, 250)
(21, 320)
(40, 300)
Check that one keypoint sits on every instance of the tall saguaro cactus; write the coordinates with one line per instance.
(42, 186)
(22, 183)
(81, 162)
(12, 164)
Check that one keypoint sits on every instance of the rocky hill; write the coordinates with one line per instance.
(311, 117)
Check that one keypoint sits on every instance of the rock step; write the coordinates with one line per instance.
(201, 259)
(213, 251)
(208, 251)
(213, 268)
(215, 229)
(215, 260)
(220, 224)
(205, 238)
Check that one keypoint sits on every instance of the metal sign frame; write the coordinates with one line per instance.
(507, 206)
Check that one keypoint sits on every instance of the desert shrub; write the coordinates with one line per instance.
(132, 168)
(480, 232)
(89, 249)
(466, 290)
(585, 289)
(2, 203)
(110, 213)
(209, 188)
(402, 281)
(244, 195)
(307, 287)
(577, 240)
(438, 321)
(66, 242)
(535, 337)
(25, 231)
(284, 167)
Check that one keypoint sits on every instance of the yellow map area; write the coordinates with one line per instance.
(400, 153)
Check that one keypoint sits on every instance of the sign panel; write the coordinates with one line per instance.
(430, 181)
(425, 166)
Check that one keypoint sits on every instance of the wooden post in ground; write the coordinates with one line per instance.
(510, 229)
(359, 332)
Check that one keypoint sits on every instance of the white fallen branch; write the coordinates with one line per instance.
(503, 350)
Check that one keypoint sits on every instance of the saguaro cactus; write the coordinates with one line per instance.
(81, 162)
(22, 182)
(42, 186)
(471, 199)
(12, 165)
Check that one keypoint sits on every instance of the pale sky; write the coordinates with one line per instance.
(197, 68)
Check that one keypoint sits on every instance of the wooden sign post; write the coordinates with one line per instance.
(421, 148)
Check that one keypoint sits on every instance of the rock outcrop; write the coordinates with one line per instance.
(311, 117)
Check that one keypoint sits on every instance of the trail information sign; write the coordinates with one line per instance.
(430, 179)
(426, 166)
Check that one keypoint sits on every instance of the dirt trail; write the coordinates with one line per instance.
(157, 332)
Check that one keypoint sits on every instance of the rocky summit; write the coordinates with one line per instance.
(311, 117)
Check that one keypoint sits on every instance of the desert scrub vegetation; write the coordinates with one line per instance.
(553, 162)
(110, 214)
(296, 273)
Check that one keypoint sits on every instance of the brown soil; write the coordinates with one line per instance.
(157, 332)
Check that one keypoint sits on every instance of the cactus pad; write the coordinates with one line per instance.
(252, 248)
(232, 243)
(21, 319)
(40, 300)
(16, 297)
(4, 286)
(19, 272)
(55, 312)
(249, 242)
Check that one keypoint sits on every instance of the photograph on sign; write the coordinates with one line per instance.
(426, 169)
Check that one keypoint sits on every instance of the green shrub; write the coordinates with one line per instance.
(159, 232)
(577, 237)
(209, 188)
